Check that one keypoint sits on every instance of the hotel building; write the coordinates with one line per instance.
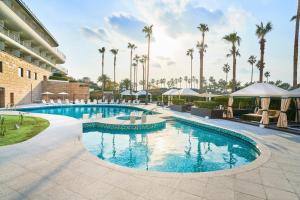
(28, 54)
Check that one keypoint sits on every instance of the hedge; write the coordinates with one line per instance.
(176, 101)
(206, 104)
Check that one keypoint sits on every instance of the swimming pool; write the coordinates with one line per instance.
(181, 146)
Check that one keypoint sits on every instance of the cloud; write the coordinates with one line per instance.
(162, 58)
(95, 35)
(127, 25)
(156, 65)
(171, 63)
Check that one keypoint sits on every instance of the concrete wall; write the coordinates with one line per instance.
(74, 90)
(25, 90)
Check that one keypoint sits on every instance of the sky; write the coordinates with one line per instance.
(82, 27)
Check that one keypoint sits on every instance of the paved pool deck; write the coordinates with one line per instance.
(55, 165)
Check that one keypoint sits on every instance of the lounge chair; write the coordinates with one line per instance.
(95, 101)
(82, 101)
(112, 101)
(106, 101)
(123, 101)
(117, 101)
(44, 102)
(100, 101)
(77, 101)
(138, 102)
(51, 101)
(59, 101)
(89, 101)
(129, 102)
(67, 101)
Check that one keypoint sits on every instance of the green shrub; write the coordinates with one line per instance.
(206, 104)
(177, 101)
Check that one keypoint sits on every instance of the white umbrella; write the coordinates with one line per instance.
(47, 93)
(63, 93)
(261, 90)
(170, 92)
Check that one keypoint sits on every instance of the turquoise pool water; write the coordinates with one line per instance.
(77, 111)
(179, 147)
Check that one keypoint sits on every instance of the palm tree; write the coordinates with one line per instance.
(136, 59)
(235, 40)
(103, 79)
(134, 76)
(114, 52)
(180, 80)
(102, 51)
(186, 80)
(190, 53)
(295, 66)
(261, 31)
(131, 46)
(267, 75)
(226, 70)
(143, 60)
(252, 61)
(148, 31)
(203, 28)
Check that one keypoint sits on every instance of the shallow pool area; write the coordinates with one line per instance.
(179, 147)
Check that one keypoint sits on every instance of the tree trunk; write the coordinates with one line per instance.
(147, 71)
(191, 72)
(103, 84)
(252, 74)
(295, 70)
(143, 76)
(234, 69)
(201, 69)
(130, 71)
(262, 53)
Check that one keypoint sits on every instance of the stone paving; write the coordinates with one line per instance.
(55, 165)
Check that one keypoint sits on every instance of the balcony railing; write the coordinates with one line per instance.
(28, 22)
(16, 38)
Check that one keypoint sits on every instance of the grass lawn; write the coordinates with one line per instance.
(31, 127)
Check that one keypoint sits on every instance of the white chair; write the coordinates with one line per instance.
(51, 101)
(95, 101)
(82, 101)
(99, 101)
(85, 116)
(89, 101)
(77, 101)
(106, 101)
(117, 101)
(124, 101)
(112, 101)
(67, 101)
(44, 102)
(129, 102)
(59, 101)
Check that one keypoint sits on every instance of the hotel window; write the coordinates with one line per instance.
(28, 73)
(1, 67)
(35, 76)
(20, 72)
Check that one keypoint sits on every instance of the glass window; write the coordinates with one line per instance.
(20, 72)
(28, 73)
(35, 76)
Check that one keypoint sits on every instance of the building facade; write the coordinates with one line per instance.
(28, 54)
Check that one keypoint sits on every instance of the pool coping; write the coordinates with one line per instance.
(264, 156)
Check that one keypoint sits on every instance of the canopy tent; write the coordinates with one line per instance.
(186, 92)
(260, 90)
(127, 93)
(142, 93)
(294, 93)
(265, 91)
(170, 92)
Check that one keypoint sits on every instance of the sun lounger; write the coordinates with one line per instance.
(77, 101)
(99, 101)
(106, 101)
(117, 101)
(51, 101)
(59, 101)
(112, 101)
(95, 101)
(67, 101)
(138, 102)
(82, 101)
(89, 101)
(44, 102)
(124, 101)
(129, 102)
(273, 115)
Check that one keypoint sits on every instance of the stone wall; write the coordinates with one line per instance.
(74, 90)
(24, 90)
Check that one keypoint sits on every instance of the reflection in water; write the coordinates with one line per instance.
(177, 148)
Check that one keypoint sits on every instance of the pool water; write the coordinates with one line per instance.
(77, 111)
(179, 147)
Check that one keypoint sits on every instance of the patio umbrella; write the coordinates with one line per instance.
(47, 93)
(63, 94)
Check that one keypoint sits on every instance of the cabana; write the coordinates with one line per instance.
(265, 91)
(186, 92)
(127, 93)
(208, 95)
(169, 93)
(296, 94)
(143, 93)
